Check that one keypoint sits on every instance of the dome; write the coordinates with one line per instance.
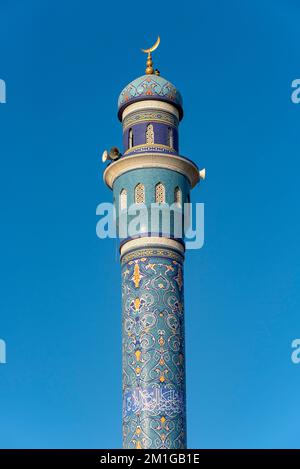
(150, 87)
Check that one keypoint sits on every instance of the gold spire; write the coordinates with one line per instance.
(149, 69)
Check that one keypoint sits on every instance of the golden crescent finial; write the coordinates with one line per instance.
(155, 46)
(149, 68)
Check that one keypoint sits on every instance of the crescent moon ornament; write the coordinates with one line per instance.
(153, 48)
(149, 63)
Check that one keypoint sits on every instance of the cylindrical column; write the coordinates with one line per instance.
(154, 414)
(151, 184)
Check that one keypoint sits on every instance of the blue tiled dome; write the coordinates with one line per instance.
(150, 87)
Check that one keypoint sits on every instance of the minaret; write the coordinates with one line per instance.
(151, 175)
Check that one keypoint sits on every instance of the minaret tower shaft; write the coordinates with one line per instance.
(151, 175)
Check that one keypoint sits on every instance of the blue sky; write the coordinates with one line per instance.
(64, 64)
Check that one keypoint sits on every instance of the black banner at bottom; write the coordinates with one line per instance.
(135, 458)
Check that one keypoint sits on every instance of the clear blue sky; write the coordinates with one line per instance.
(64, 64)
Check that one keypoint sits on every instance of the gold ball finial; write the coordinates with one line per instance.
(149, 63)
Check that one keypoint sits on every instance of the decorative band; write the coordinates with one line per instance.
(150, 240)
(154, 400)
(145, 147)
(150, 116)
(152, 252)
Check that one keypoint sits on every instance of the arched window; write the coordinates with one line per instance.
(139, 194)
(170, 137)
(149, 134)
(177, 196)
(123, 199)
(130, 138)
(160, 193)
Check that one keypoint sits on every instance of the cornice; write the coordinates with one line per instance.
(151, 160)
